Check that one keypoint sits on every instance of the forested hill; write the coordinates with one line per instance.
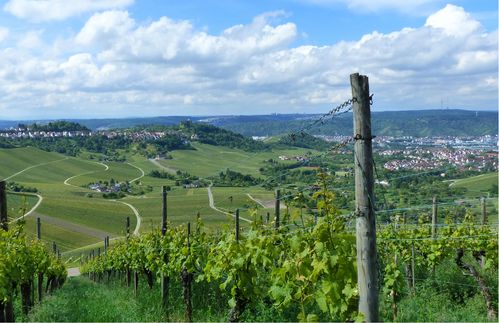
(395, 123)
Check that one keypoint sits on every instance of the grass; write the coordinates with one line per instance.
(17, 203)
(17, 159)
(209, 160)
(477, 185)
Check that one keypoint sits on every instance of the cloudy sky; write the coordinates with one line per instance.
(119, 58)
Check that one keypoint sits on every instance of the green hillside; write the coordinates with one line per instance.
(478, 185)
(209, 160)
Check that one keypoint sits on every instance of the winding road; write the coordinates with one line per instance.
(212, 205)
(33, 166)
(140, 169)
(40, 199)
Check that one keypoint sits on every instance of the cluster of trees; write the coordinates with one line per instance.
(233, 178)
(57, 126)
(16, 187)
(212, 135)
(304, 140)
(161, 174)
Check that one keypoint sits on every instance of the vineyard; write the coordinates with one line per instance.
(22, 262)
(305, 269)
(317, 259)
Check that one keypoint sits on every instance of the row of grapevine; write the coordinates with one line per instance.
(21, 260)
(403, 247)
(313, 266)
(310, 266)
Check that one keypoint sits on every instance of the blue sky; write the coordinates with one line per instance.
(118, 58)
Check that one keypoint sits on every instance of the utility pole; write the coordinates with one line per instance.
(364, 200)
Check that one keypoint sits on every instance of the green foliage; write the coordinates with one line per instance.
(234, 179)
(58, 126)
(304, 140)
(22, 258)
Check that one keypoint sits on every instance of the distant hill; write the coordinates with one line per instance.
(397, 123)
(393, 123)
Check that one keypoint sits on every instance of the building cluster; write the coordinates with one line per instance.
(25, 134)
(433, 158)
(297, 158)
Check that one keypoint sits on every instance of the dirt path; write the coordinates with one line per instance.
(100, 234)
(168, 169)
(258, 201)
(33, 166)
(212, 205)
(73, 272)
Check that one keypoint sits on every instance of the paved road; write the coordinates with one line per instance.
(33, 166)
(40, 199)
(140, 169)
(212, 205)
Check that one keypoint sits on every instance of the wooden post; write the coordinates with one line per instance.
(127, 227)
(364, 200)
(434, 215)
(277, 207)
(135, 283)
(4, 221)
(165, 280)
(483, 222)
(164, 211)
(4, 224)
(237, 224)
(413, 266)
(187, 281)
(38, 229)
(39, 285)
(267, 220)
(484, 211)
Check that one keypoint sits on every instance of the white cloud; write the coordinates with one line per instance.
(454, 21)
(407, 6)
(46, 10)
(118, 65)
(4, 33)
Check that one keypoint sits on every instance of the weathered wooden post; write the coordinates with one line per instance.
(484, 211)
(4, 221)
(364, 200)
(434, 215)
(127, 227)
(165, 280)
(237, 224)
(277, 207)
(4, 224)
(40, 275)
(187, 281)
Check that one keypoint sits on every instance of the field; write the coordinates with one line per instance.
(75, 217)
(209, 160)
(477, 185)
